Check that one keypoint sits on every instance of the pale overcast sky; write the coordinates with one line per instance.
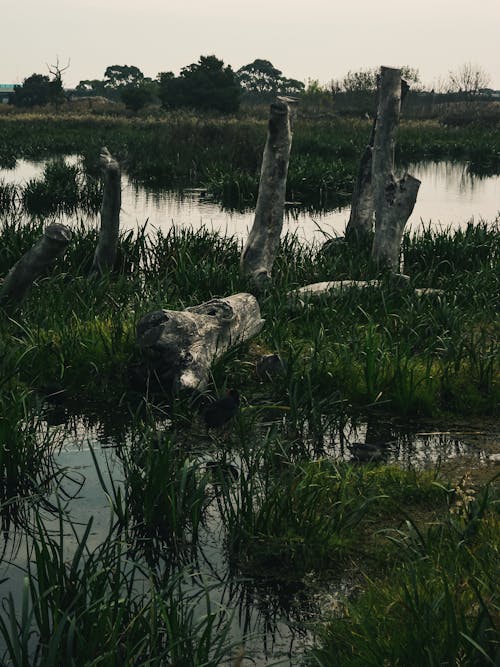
(318, 39)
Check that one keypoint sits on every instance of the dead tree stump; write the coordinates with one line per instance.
(393, 198)
(260, 251)
(105, 253)
(33, 263)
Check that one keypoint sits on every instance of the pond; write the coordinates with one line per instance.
(449, 196)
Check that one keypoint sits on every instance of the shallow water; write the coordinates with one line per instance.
(277, 615)
(449, 196)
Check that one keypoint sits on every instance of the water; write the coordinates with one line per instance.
(449, 196)
(277, 615)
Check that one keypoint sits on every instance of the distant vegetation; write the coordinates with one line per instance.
(210, 85)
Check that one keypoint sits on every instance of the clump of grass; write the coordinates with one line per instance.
(27, 471)
(439, 605)
(62, 188)
(165, 491)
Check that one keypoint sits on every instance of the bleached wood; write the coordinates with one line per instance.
(400, 198)
(186, 343)
(393, 198)
(260, 250)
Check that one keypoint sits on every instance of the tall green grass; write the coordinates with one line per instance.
(439, 605)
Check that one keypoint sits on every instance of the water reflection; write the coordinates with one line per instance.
(451, 194)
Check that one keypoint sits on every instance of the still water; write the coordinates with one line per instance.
(449, 196)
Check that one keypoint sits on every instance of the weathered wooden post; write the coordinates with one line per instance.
(33, 263)
(260, 251)
(183, 345)
(360, 225)
(393, 198)
(105, 253)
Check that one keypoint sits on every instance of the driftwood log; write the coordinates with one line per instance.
(393, 198)
(33, 263)
(105, 253)
(260, 250)
(303, 295)
(181, 346)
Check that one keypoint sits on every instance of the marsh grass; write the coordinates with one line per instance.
(62, 188)
(439, 605)
(28, 474)
(382, 349)
(103, 607)
(224, 154)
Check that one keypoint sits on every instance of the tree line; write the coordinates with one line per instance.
(210, 85)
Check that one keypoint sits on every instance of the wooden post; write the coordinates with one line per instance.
(399, 200)
(183, 345)
(105, 253)
(33, 263)
(393, 199)
(260, 251)
(360, 225)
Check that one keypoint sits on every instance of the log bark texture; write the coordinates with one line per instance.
(393, 198)
(260, 251)
(33, 263)
(360, 225)
(399, 200)
(183, 345)
(105, 253)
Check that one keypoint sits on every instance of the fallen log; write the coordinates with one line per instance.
(299, 297)
(260, 250)
(181, 346)
(105, 253)
(33, 263)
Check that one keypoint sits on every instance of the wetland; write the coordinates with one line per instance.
(130, 534)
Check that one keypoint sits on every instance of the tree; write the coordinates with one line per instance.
(365, 80)
(205, 85)
(36, 90)
(262, 81)
(468, 79)
(56, 88)
(259, 78)
(91, 87)
(135, 98)
(119, 76)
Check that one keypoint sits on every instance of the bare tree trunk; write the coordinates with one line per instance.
(105, 253)
(360, 225)
(183, 345)
(400, 198)
(33, 263)
(393, 199)
(262, 245)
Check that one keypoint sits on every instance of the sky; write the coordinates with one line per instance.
(308, 39)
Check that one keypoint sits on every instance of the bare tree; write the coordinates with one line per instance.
(57, 92)
(469, 78)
